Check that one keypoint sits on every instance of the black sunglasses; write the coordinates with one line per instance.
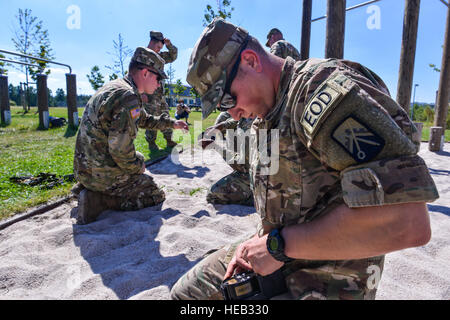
(158, 76)
(228, 101)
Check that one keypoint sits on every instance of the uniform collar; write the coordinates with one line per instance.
(131, 82)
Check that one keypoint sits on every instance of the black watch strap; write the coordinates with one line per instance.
(275, 246)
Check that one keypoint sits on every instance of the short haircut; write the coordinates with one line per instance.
(135, 66)
(253, 44)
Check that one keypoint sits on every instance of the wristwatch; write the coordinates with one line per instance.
(275, 246)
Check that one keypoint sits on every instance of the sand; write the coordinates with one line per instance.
(141, 254)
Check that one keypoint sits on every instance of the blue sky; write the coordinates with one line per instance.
(181, 21)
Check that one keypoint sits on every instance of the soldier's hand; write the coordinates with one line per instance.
(179, 124)
(253, 255)
(143, 168)
(167, 42)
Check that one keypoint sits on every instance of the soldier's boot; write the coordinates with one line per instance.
(171, 143)
(168, 136)
(76, 189)
(152, 146)
(91, 204)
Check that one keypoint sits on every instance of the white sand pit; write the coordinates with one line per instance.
(141, 254)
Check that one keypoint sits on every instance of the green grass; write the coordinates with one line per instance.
(26, 151)
(426, 133)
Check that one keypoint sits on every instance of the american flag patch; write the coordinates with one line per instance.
(135, 112)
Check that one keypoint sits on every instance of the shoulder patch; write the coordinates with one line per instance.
(362, 143)
(135, 112)
(325, 99)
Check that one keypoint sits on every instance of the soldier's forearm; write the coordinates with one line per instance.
(156, 122)
(345, 234)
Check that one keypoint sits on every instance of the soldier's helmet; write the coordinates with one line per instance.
(150, 59)
(212, 59)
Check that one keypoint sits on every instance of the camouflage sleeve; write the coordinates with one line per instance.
(148, 121)
(171, 55)
(354, 127)
(277, 49)
(121, 136)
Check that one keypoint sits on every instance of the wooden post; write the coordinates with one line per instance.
(42, 102)
(444, 82)
(334, 46)
(306, 29)
(72, 111)
(4, 101)
(408, 54)
(436, 139)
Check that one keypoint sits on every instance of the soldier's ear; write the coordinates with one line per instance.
(251, 59)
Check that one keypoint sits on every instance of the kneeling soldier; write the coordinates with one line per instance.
(106, 162)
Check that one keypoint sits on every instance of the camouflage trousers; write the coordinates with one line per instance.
(305, 280)
(135, 192)
(157, 108)
(232, 189)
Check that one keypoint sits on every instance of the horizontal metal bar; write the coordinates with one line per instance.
(19, 62)
(350, 8)
(36, 58)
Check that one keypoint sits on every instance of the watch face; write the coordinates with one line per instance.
(273, 244)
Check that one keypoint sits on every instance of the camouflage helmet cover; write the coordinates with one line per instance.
(211, 60)
(150, 59)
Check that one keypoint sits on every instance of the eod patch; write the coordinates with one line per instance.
(324, 100)
(362, 143)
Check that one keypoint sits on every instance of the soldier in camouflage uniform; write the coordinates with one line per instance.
(156, 104)
(106, 162)
(280, 47)
(345, 186)
(235, 187)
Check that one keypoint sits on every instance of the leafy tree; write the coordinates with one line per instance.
(433, 66)
(31, 38)
(120, 55)
(179, 89)
(3, 69)
(223, 11)
(429, 113)
(113, 77)
(60, 97)
(170, 74)
(96, 79)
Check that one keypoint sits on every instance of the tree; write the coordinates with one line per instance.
(222, 11)
(96, 79)
(60, 97)
(30, 38)
(120, 55)
(433, 66)
(170, 74)
(179, 89)
(3, 70)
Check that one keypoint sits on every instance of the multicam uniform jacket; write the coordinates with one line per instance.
(104, 148)
(156, 104)
(342, 139)
(284, 49)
